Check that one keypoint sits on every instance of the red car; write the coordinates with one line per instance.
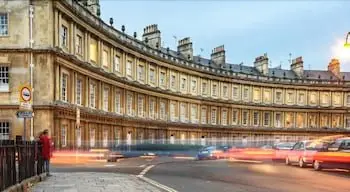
(303, 152)
(337, 156)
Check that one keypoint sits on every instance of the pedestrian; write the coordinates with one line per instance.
(46, 150)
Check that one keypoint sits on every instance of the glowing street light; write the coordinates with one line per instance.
(347, 41)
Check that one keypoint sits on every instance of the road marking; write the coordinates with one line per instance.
(155, 183)
(244, 161)
(110, 165)
(144, 165)
(145, 170)
(189, 158)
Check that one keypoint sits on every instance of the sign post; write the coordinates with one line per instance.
(25, 108)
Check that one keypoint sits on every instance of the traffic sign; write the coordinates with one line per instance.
(25, 106)
(24, 114)
(25, 94)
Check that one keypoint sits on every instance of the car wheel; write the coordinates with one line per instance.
(287, 161)
(301, 163)
(317, 165)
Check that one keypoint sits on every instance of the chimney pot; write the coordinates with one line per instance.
(218, 55)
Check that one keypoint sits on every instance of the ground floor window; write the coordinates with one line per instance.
(105, 138)
(92, 137)
(116, 137)
(4, 130)
(64, 136)
(78, 136)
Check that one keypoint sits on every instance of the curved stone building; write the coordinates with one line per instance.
(96, 86)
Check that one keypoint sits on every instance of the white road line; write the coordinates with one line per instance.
(189, 158)
(156, 184)
(144, 165)
(145, 170)
(110, 165)
(152, 182)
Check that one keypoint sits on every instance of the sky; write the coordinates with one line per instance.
(314, 29)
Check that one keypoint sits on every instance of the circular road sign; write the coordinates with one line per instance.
(26, 94)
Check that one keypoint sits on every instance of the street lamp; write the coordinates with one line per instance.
(347, 41)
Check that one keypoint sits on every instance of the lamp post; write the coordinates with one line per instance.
(347, 40)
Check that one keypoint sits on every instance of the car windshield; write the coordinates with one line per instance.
(210, 148)
(285, 145)
(315, 145)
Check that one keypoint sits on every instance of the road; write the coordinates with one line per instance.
(201, 176)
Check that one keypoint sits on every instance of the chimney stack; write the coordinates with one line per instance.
(218, 55)
(261, 63)
(185, 48)
(298, 66)
(152, 34)
(334, 67)
(92, 5)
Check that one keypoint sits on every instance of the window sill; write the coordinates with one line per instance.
(5, 36)
(5, 91)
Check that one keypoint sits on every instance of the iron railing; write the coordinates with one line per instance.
(19, 160)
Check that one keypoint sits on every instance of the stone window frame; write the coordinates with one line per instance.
(130, 98)
(256, 119)
(152, 107)
(162, 79)
(225, 93)
(117, 63)
(235, 94)
(204, 87)
(162, 115)
(152, 79)
(213, 110)
(193, 85)
(104, 99)
(268, 120)
(118, 92)
(92, 84)
(222, 116)
(81, 90)
(267, 91)
(5, 71)
(7, 17)
(245, 118)
(141, 70)
(106, 53)
(194, 107)
(65, 97)
(204, 120)
(5, 124)
(183, 109)
(129, 68)
(79, 42)
(64, 36)
(141, 105)
(235, 117)
(173, 115)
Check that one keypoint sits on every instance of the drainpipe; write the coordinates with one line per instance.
(31, 65)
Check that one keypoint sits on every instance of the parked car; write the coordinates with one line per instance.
(303, 152)
(212, 152)
(337, 156)
(281, 150)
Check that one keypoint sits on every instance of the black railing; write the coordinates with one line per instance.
(19, 160)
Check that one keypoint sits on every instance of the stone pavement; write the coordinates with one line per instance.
(93, 182)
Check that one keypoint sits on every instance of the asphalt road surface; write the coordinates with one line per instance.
(217, 176)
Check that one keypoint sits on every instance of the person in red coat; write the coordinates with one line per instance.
(46, 150)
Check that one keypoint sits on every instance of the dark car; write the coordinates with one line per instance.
(337, 156)
(212, 152)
